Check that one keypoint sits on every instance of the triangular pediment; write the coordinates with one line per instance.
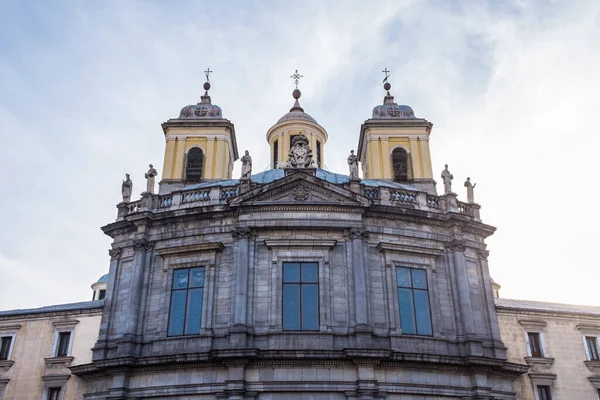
(300, 188)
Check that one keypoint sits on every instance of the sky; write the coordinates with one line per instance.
(512, 88)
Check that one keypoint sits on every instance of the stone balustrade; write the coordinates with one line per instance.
(384, 196)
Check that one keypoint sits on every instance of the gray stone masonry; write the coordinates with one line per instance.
(359, 350)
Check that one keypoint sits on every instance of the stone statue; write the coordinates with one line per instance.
(470, 194)
(353, 164)
(447, 179)
(126, 189)
(246, 165)
(300, 155)
(150, 179)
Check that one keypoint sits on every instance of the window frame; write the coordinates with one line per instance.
(11, 346)
(396, 286)
(407, 165)
(56, 344)
(550, 394)
(587, 348)
(186, 162)
(204, 288)
(275, 153)
(530, 334)
(300, 283)
(539, 327)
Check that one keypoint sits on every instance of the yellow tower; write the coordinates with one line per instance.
(394, 145)
(200, 144)
(296, 122)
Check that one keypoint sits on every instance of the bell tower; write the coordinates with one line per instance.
(394, 144)
(200, 144)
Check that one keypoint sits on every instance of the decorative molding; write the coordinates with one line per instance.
(5, 365)
(456, 245)
(533, 325)
(114, 253)
(193, 248)
(539, 364)
(56, 379)
(10, 328)
(408, 249)
(594, 367)
(244, 232)
(142, 244)
(58, 362)
(300, 193)
(300, 243)
(542, 379)
(66, 323)
(484, 254)
(589, 329)
(357, 232)
(595, 381)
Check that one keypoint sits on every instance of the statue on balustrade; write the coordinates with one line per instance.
(126, 189)
(246, 166)
(470, 192)
(447, 179)
(150, 179)
(353, 165)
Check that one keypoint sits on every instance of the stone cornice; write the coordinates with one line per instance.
(300, 243)
(193, 248)
(409, 249)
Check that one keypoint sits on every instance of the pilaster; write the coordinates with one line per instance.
(356, 235)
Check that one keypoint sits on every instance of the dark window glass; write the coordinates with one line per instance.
(187, 293)
(275, 153)
(5, 347)
(301, 296)
(544, 393)
(102, 294)
(195, 164)
(592, 345)
(400, 164)
(64, 338)
(54, 393)
(292, 140)
(413, 299)
(318, 154)
(535, 344)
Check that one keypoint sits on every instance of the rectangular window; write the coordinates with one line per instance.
(544, 393)
(64, 340)
(318, 154)
(187, 292)
(300, 296)
(413, 299)
(54, 393)
(275, 153)
(592, 346)
(102, 294)
(535, 344)
(6, 341)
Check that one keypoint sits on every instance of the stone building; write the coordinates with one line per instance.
(37, 347)
(559, 342)
(297, 282)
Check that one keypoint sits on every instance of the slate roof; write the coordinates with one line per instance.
(540, 306)
(272, 175)
(84, 305)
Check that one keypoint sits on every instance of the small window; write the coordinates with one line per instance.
(102, 294)
(300, 296)
(195, 164)
(400, 164)
(292, 140)
(275, 153)
(544, 393)
(318, 154)
(5, 344)
(64, 341)
(187, 292)
(54, 393)
(535, 344)
(592, 347)
(413, 299)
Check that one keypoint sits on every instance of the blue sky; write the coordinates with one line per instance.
(511, 87)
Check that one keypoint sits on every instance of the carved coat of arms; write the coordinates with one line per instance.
(300, 155)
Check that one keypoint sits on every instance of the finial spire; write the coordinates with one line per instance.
(207, 73)
(206, 98)
(387, 75)
(296, 77)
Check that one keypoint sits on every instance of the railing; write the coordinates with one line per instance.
(198, 195)
(433, 202)
(372, 194)
(229, 193)
(165, 202)
(133, 207)
(404, 197)
(465, 208)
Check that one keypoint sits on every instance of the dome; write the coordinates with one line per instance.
(103, 278)
(204, 109)
(297, 115)
(389, 109)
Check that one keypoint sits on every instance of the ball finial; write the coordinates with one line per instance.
(387, 86)
(206, 86)
(296, 94)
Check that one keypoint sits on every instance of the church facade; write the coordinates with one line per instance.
(297, 282)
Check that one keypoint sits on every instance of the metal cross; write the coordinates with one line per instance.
(387, 74)
(296, 77)
(207, 73)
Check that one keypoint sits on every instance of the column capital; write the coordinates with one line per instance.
(456, 245)
(142, 244)
(484, 254)
(244, 232)
(357, 232)
(114, 253)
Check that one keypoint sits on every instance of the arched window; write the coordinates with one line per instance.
(275, 153)
(400, 164)
(195, 163)
(318, 154)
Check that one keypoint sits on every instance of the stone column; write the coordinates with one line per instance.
(108, 312)
(457, 248)
(142, 248)
(356, 236)
(243, 236)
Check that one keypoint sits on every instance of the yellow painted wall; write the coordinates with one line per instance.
(282, 132)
